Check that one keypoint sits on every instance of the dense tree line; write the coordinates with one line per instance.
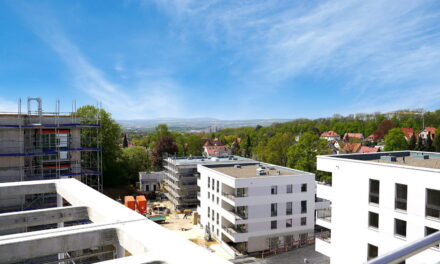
(293, 144)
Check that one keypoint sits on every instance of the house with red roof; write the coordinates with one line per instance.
(352, 147)
(359, 136)
(216, 151)
(365, 149)
(330, 135)
(427, 130)
(408, 132)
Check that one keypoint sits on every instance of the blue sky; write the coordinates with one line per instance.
(233, 59)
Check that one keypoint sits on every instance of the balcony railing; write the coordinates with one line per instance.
(324, 214)
(324, 236)
(401, 254)
(232, 196)
(238, 215)
(232, 229)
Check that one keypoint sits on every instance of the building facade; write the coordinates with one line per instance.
(379, 202)
(150, 181)
(181, 177)
(256, 206)
(37, 145)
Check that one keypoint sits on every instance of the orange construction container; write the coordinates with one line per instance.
(129, 202)
(141, 204)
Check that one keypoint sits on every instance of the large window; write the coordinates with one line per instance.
(289, 188)
(433, 203)
(372, 252)
(428, 231)
(401, 196)
(273, 190)
(273, 224)
(373, 220)
(374, 192)
(289, 222)
(303, 221)
(304, 187)
(273, 209)
(288, 208)
(399, 227)
(303, 207)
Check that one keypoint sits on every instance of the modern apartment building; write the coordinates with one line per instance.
(255, 206)
(181, 177)
(37, 145)
(379, 202)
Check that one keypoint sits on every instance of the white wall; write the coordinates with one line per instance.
(350, 207)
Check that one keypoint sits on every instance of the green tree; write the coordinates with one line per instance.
(395, 140)
(276, 149)
(110, 137)
(302, 155)
(412, 142)
(136, 159)
(436, 143)
(195, 145)
(164, 146)
(429, 146)
(420, 146)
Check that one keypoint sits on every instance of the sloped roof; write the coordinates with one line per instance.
(352, 147)
(330, 133)
(365, 149)
(408, 132)
(354, 135)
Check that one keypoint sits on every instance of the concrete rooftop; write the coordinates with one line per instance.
(250, 171)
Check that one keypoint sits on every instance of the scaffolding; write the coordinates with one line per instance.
(37, 145)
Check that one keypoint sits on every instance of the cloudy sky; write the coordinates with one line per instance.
(224, 59)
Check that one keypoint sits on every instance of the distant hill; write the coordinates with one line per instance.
(196, 124)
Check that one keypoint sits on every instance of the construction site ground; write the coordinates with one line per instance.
(194, 233)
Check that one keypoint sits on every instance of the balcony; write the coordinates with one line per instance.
(233, 196)
(324, 217)
(323, 243)
(324, 190)
(432, 211)
(238, 215)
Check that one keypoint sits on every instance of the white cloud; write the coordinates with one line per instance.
(380, 52)
(8, 106)
(155, 96)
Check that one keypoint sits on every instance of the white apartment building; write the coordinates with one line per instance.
(256, 206)
(379, 202)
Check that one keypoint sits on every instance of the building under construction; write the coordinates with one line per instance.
(37, 145)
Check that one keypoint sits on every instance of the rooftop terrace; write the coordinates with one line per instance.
(253, 170)
(421, 159)
(207, 160)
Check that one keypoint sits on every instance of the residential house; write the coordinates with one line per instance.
(352, 147)
(427, 130)
(348, 136)
(408, 132)
(330, 135)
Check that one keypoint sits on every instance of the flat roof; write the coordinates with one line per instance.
(200, 160)
(250, 170)
(420, 159)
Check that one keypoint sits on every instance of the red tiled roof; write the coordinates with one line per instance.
(365, 149)
(408, 132)
(330, 133)
(353, 135)
(213, 150)
(431, 130)
(352, 147)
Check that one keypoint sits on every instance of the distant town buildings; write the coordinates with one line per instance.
(330, 135)
(379, 202)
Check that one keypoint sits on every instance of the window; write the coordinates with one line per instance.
(213, 214)
(374, 192)
(432, 203)
(399, 227)
(218, 186)
(303, 207)
(401, 196)
(209, 180)
(273, 190)
(217, 221)
(373, 220)
(429, 231)
(209, 195)
(289, 188)
(209, 212)
(303, 221)
(273, 209)
(372, 252)
(288, 208)
(218, 234)
(217, 200)
(212, 197)
(241, 192)
(273, 224)
(304, 187)
(289, 222)
(213, 184)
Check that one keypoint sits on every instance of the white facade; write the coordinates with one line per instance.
(238, 210)
(150, 181)
(352, 228)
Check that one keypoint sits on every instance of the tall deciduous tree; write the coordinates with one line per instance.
(136, 159)
(383, 128)
(302, 155)
(437, 142)
(395, 140)
(412, 142)
(429, 146)
(110, 135)
(164, 146)
(420, 145)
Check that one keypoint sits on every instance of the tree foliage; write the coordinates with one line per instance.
(135, 159)
(395, 140)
